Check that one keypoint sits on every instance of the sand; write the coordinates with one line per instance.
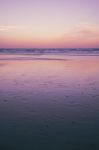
(49, 103)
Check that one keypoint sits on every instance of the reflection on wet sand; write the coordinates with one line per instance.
(50, 104)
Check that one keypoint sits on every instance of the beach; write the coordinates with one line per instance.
(49, 102)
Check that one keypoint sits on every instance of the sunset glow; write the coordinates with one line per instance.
(49, 24)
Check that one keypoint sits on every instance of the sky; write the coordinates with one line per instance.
(49, 23)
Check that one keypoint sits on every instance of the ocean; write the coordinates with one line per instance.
(44, 51)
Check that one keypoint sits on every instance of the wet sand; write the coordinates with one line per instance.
(49, 103)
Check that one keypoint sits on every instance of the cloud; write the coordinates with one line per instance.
(7, 28)
(82, 35)
(83, 31)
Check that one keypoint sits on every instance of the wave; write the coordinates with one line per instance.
(40, 51)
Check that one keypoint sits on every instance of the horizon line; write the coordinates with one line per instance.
(49, 48)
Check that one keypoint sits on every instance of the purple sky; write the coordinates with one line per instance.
(49, 23)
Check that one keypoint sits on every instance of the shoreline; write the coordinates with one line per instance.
(49, 57)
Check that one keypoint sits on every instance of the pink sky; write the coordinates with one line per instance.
(44, 23)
